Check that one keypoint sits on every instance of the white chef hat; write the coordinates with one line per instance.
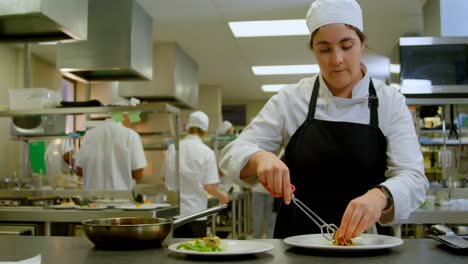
(224, 127)
(324, 12)
(198, 119)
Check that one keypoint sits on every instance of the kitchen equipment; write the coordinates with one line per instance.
(453, 134)
(448, 237)
(136, 232)
(39, 125)
(43, 20)
(175, 78)
(445, 156)
(118, 45)
(327, 230)
(434, 68)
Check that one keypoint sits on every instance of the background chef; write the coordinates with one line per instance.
(198, 173)
(111, 156)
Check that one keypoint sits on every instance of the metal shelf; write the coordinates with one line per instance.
(147, 107)
(436, 101)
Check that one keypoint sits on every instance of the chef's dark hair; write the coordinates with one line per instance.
(360, 34)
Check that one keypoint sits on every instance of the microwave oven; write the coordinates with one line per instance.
(40, 125)
(433, 67)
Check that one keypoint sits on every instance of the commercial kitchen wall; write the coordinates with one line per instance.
(43, 75)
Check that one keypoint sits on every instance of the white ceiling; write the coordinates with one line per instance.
(200, 27)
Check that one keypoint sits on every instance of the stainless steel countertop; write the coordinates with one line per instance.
(73, 250)
(445, 215)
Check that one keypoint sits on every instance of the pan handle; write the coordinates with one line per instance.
(188, 218)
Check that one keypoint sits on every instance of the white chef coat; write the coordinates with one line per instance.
(108, 155)
(286, 111)
(197, 167)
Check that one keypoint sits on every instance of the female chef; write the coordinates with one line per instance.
(351, 147)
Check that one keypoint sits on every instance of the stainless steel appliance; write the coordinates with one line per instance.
(434, 67)
(40, 125)
(43, 20)
(175, 78)
(120, 35)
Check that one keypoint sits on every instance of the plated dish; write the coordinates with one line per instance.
(113, 203)
(87, 207)
(135, 207)
(62, 206)
(362, 242)
(230, 247)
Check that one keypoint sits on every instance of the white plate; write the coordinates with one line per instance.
(97, 207)
(144, 206)
(113, 203)
(232, 247)
(362, 242)
(59, 206)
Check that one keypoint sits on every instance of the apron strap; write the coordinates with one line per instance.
(373, 105)
(313, 100)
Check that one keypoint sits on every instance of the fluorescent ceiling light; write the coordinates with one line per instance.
(293, 27)
(272, 88)
(286, 69)
(395, 68)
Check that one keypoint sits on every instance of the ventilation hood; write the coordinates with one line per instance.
(43, 20)
(175, 78)
(119, 45)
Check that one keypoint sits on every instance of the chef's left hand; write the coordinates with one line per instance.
(362, 213)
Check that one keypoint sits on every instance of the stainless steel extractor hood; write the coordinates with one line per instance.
(43, 20)
(119, 45)
(175, 78)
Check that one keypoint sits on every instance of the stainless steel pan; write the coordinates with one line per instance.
(136, 232)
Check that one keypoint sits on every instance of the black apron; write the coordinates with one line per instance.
(331, 163)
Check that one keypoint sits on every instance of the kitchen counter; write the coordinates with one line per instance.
(446, 215)
(80, 250)
(438, 215)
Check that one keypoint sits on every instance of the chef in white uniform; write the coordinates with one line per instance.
(198, 173)
(351, 148)
(111, 157)
(226, 128)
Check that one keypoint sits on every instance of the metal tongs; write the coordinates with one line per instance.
(327, 230)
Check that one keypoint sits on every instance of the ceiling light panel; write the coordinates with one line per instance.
(286, 69)
(268, 28)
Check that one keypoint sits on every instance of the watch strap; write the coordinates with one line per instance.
(388, 194)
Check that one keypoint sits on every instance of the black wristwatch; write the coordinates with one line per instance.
(388, 194)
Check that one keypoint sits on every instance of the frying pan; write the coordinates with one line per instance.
(136, 232)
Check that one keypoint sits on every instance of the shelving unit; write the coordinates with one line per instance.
(155, 107)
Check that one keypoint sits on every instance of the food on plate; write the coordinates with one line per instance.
(337, 241)
(146, 202)
(90, 205)
(66, 202)
(205, 244)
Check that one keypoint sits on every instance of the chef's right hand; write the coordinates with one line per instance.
(273, 173)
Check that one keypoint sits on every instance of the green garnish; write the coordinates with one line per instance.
(206, 244)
